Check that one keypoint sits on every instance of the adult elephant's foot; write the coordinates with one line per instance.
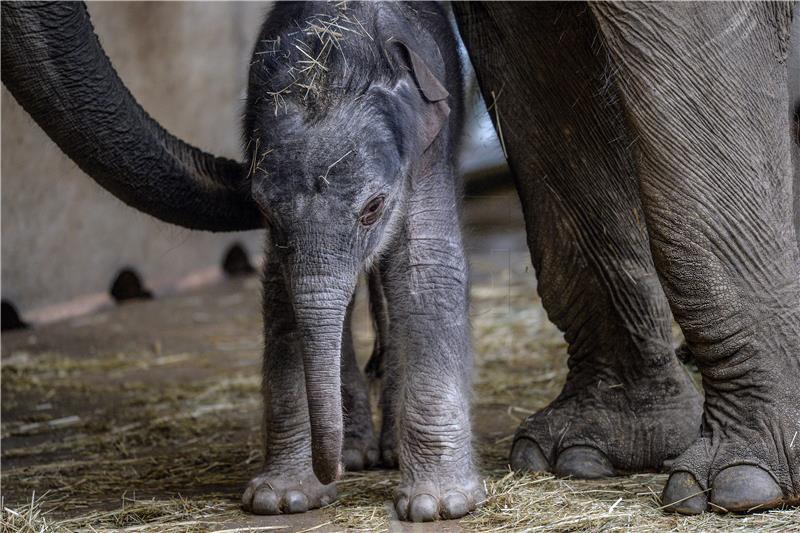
(286, 492)
(438, 499)
(603, 424)
(748, 458)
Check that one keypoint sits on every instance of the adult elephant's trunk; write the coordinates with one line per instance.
(53, 64)
(321, 295)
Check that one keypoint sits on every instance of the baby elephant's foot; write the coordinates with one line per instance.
(359, 453)
(389, 456)
(359, 450)
(425, 501)
(271, 493)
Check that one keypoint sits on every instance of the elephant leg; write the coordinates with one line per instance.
(427, 294)
(390, 391)
(627, 404)
(383, 367)
(705, 89)
(359, 450)
(380, 323)
(286, 482)
(794, 112)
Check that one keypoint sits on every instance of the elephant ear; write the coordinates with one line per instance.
(429, 81)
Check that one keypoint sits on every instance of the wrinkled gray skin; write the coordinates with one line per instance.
(326, 132)
(650, 144)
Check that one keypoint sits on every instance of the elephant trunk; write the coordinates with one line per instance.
(55, 67)
(320, 306)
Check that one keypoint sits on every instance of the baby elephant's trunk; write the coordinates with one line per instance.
(320, 304)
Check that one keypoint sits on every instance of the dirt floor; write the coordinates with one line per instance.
(145, 417)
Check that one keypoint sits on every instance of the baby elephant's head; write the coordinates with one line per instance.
(336, 126)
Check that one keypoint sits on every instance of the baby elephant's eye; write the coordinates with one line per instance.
(372, 211)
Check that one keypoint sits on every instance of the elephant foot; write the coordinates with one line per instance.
(597, 430)
(359, 449)
(737, 469)
(359, 453)
(740, 488)
(443, 499)
(748, 456)
(388, 445)
(284, 493)
(584, 462)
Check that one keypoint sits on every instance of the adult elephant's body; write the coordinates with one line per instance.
(794, 112)
(651, 148)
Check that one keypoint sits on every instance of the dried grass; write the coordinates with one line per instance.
(176, 515)
(309, 69)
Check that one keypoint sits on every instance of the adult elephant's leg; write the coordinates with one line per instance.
(705, 90)
(794, 112)
(627, 405)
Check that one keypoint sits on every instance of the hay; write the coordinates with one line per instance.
(544, 503)
(169, 516)
(307, 70)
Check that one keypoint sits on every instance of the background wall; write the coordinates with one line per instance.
(63, 237)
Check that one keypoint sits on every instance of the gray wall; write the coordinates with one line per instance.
(63, 237)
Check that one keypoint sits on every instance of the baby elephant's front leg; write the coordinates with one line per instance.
(428, 296)
(286, 482)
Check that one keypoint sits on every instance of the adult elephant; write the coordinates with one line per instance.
(650, 144)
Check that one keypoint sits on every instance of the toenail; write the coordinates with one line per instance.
(247, 498)
(584, 462)
(454, 505)
(424, 508)
(744, 488)
(683, 494)
(265, 501)
(526, 456)
(296, 502)
(401, 506)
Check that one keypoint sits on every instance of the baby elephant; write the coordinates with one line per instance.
(352, 117)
